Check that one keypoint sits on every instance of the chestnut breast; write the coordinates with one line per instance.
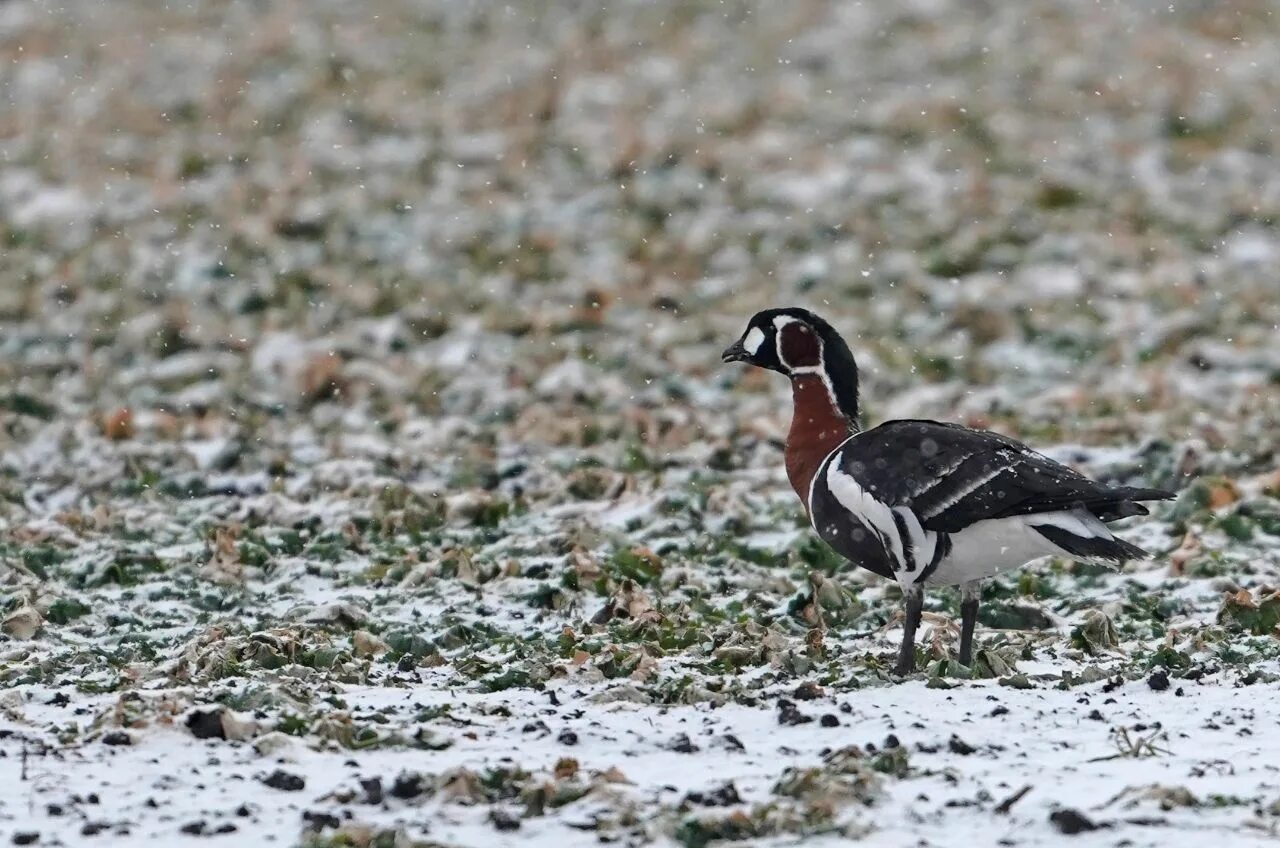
(817, 428)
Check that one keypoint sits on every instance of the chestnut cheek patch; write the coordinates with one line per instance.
(800, 346)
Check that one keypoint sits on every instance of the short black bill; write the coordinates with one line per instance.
(734, 353)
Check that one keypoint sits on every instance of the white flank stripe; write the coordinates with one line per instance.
(1077, 523)
(923, 542)
(871, 512)
(822, 468)
(942, 475)
(965, 492)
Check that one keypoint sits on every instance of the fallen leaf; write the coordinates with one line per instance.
(118, 425)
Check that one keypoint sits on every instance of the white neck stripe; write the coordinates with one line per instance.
(820, 369)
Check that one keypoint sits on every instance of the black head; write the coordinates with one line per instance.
(795, 342)
(789, 341)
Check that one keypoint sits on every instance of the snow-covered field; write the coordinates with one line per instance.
(369, 476)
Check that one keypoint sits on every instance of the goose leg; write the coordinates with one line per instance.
(815, 584)
(969, 594)
(914, 599)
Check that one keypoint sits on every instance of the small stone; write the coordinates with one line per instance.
(372, 790)
(829, 720)
(284, 781)
(1071, 822)
(1017, 681)
(206, 724)
(1159, 681)
(807, 692)
(320, 821)
(567, 737)
(503, 821)
(681, 744)
(407, 785)
(117, 737)
(26, 837)
(195, 828)
(788, 714)
(725, 795)
(958, 746)
(731, 743)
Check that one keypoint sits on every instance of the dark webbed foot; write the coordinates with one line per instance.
(969, 595)
(914, 600)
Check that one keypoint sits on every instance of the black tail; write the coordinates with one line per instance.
(1123, 502)
(1115, 550)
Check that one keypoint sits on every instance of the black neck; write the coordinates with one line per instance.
(842, 372)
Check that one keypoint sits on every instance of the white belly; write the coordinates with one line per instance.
(989, 547)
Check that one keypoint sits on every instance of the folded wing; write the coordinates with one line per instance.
(891, 497)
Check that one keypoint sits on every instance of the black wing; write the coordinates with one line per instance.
(951, 477)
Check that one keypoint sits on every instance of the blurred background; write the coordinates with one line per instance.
(1058, 219)
(377, 345)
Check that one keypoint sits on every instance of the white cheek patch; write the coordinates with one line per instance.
(752, 340)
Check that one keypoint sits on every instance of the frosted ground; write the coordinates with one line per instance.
(368, 475)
